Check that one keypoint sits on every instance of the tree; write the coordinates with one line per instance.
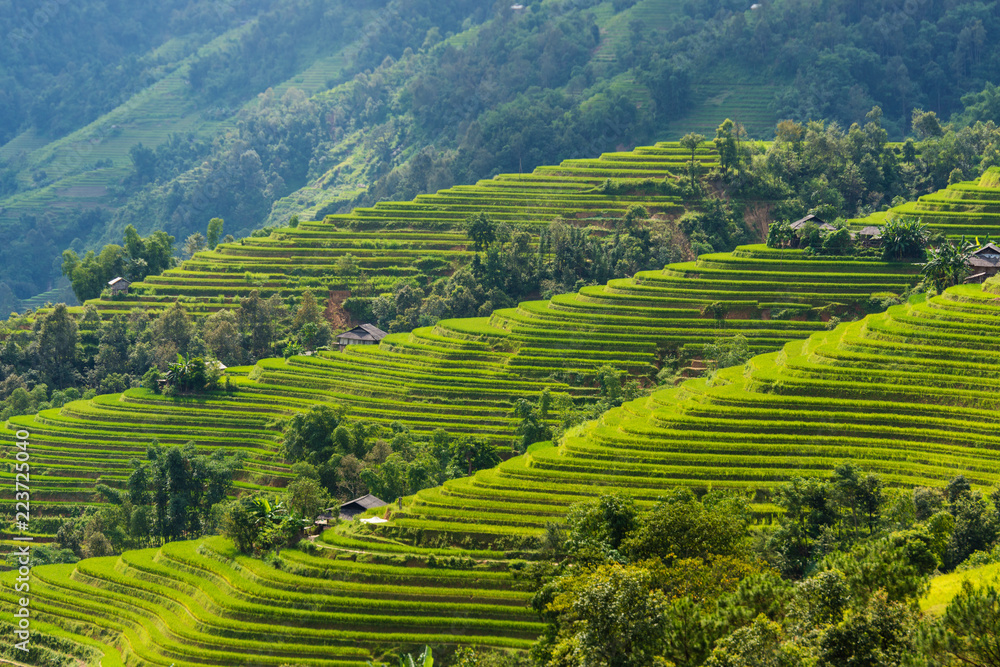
(481, 230)
(726, 144)
(307, 497)
(143, 163)
(947, 264)
(258, 322)
(113, 351)
(221, 335)
(604, 522)
(976, 527)
(194, 244)
(239, 524)
(682, 527)
(760, 644)
(308, 312)
(214, 232)
(474, 453)
(925, 123)
(691, 141)
(728, 352)
(532, 427)
(172, 331)
(309, 435)
(611, 616)
(876, 634)
(971, 625)
(903, 238)
(57, 353)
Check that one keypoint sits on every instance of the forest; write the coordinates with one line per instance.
(441, 92)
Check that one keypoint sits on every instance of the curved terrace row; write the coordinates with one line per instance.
(398, 239)
(908, 393)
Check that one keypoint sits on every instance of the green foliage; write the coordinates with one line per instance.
(903, 238)
(947, 264)
(311, 436)
(139, 258)
(727, 352)
(682, 527)
(726, 145)
(970, 626)
(214, 233)
(481, 230)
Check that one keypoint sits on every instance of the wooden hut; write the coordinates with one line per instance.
(365, 334)
(119, 285)
(869, 237)
(352, 508)
(816, 220)
(983, 263)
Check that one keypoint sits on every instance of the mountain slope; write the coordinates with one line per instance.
(817, 402)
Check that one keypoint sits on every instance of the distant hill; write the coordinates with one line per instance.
(162, 117)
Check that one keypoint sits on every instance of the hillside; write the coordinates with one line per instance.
(464, 375)
(965, 209)
(815, 398)
(918, 423)
(381, 101)
(394, 240)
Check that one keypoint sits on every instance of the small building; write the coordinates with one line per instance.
(869, 236)
(352, 508)
(983, 263)
(327, 518)
(119, 285)
(365, 334)
(816, 220)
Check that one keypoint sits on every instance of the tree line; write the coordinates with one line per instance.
(835, 581)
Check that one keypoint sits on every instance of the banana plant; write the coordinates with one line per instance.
(425, 659)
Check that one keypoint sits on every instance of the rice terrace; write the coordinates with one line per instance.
(625, 333)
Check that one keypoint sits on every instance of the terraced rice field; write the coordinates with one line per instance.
(392, 239)
(744, 97)
(969, 208)
(201, 603)
(910, 393)
(462, 375)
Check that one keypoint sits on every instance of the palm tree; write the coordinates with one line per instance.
(691, 141)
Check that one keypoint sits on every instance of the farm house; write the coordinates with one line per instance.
(365, 334)
(984, 263)
(352, 508)
(119, 285)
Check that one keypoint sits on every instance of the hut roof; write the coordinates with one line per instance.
(119, 281)
(871, 230)
(987, 257)
(815, 219)
(366, 502)
(363, 332)
(987, 250)
(983, 262)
